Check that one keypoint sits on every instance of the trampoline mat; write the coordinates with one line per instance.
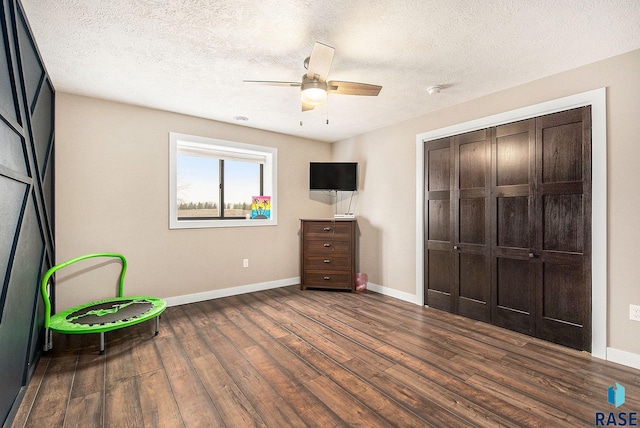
(110, 312)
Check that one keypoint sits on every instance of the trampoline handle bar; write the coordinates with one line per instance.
(47, 275)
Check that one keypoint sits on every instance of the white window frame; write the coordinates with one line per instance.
(267, 155)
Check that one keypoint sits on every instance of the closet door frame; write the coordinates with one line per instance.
(597, 100)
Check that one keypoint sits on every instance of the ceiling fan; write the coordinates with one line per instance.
(315, 87)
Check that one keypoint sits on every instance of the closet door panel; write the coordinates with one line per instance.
(438, 165)
(563, 222)
(472, 160)
(514, 297)
(513, 273)
(561, 150)
(513, 279)
(513, 221)
(439, 279)
(474, 287)
(472, 220)
(512, 154)
(439, 220)
(438, 275)
(562, 283)
(563, 217)
(562, 315)
(470, 205)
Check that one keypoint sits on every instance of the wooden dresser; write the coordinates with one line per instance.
(328, 254)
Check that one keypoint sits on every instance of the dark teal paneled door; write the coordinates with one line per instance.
(26, 202)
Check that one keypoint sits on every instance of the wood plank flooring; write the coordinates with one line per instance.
(291, 358)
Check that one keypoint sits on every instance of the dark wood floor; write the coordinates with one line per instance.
(284, 357)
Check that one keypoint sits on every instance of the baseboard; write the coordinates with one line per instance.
(625, 358)
(232, 291)
(407, 297)
(250, 288)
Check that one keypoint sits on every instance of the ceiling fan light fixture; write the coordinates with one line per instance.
(313, 91)
(314, 96)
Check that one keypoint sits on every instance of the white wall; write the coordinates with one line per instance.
(112, 195)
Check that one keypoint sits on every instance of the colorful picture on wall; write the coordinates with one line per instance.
(261, 207)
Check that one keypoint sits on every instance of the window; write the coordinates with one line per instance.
(214, 183)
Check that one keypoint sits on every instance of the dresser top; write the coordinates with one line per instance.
(328, 219)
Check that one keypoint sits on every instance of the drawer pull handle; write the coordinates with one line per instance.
(327, 229)
(327, 278)
(327, 245)
(327, 261)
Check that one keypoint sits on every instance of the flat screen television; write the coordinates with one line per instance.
(341, 176)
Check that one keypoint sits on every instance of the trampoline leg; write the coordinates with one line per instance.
(157, 325)
(101, 343)
(47, 340)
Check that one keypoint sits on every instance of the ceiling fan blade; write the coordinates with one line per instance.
(273, 82)
(320, 61)
(307, 107)
(353, 88)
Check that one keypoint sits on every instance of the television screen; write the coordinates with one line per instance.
(333, 176)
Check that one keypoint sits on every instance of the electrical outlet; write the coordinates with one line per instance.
(634, 312)
(245, 263)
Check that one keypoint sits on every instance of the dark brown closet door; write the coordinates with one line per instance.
(513, 211)
(563, 240)
(508, 226)
(470, 207)
(438, 235)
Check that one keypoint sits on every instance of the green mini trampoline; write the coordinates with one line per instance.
(99, 316)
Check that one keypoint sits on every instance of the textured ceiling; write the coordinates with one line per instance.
(190, 56)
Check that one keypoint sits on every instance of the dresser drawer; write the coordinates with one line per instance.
(323, 229)
(326, 246)
(328, 279)
(328, 262)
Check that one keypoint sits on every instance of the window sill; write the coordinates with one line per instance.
(200, 224)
